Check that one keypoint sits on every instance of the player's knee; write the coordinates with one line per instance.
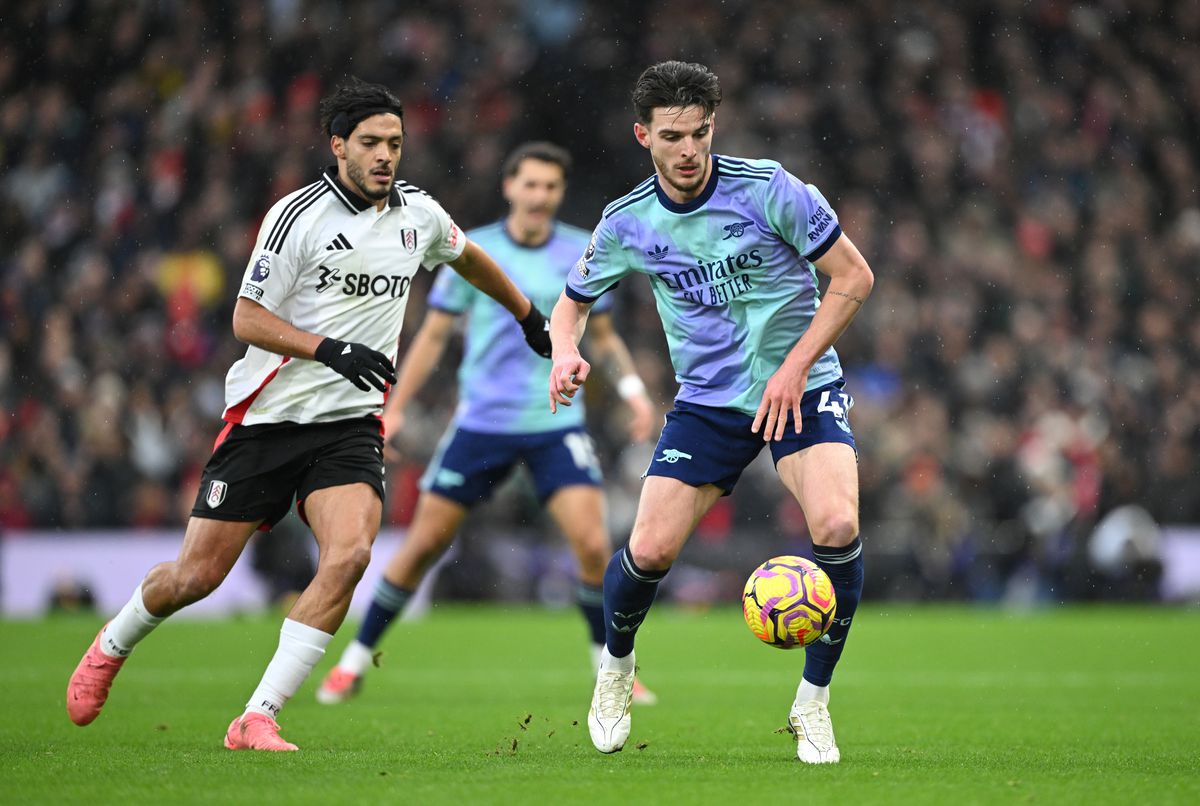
(349, 561)
(652, 557)
(430, 545)
(836, 528)
(193, 583)
(593, 558)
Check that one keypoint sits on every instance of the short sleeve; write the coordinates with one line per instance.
(448, 241)
(275, 263)
(799, 214)
(601, 267)
(450, 292)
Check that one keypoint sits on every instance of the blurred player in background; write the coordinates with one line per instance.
(730, 246)
(325, 289)
(501, 418)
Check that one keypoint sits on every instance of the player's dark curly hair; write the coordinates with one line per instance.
(353, 102)
(541, 151)
(674, 83)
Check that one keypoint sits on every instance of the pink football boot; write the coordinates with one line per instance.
(255, 731)
(88, 688)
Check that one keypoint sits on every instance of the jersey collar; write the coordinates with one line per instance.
(694, 204)
(504, 228)
(351, 200)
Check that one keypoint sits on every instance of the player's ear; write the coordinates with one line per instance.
(338, 146)
(642, 134)
(506, 188)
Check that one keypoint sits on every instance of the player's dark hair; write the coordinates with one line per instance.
(353, 102)
(675, 84)
(541, 151)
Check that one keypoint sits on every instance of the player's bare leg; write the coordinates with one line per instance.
(579, 512)
(434, 526)
(345, 520)
(667, 513)
(824, 480)
(210, 549)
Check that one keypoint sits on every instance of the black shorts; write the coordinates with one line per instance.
(256, 470)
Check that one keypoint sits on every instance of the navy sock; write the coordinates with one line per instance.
(591, 602)
(387, 603)
(845, 569)
(628, 593)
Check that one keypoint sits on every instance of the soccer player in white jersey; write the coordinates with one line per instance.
(731, 248)
(502, 419)
(321, 306)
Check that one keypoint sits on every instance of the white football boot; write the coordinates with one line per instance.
(608, 719)
(810, 722)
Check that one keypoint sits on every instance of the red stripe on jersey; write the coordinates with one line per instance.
(221, 436)
(387, 390)
(235, 414)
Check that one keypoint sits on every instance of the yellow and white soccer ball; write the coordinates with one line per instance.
(789, 602)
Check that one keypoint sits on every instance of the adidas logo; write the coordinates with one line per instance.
(337, 243)
(658, 252)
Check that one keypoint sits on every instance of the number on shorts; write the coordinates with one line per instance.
(583, 450)
(839, 409)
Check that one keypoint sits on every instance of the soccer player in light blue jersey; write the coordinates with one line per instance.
(502, 418)
(731, 248)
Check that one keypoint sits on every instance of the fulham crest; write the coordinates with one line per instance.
(216, 493)
(410, 239)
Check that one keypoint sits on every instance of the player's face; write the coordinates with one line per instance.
(369, 157)
(680, 142)
(534, 193)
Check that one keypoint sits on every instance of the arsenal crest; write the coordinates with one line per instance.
(216, 493)
(410, 239)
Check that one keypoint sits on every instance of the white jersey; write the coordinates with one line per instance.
(329, 263)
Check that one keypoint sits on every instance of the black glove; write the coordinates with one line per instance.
(537, 331)
(357, 363)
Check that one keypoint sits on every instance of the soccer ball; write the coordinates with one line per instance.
(788, 602)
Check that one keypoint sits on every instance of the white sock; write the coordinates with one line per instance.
(301, 647)
(609, 663)
(128, 627)
(356, 658)
(596, 652)
(807, 691)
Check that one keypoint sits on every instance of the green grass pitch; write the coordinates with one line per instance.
(488, 705)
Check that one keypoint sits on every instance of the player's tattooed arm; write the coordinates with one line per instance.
(851, 297)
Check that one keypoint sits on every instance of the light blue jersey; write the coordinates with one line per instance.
(731, 271)
(501, 382)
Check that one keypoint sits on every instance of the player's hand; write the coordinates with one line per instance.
(393, 424)
(566, 378)
(642, 416)
(357, 363)
(536, 328)
(783, 393)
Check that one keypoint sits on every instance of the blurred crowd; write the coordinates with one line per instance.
(1022, 175)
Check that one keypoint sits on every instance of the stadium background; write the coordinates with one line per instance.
(1022, 177)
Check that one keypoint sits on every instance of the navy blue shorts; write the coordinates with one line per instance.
(469, 464)
(705, 445)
